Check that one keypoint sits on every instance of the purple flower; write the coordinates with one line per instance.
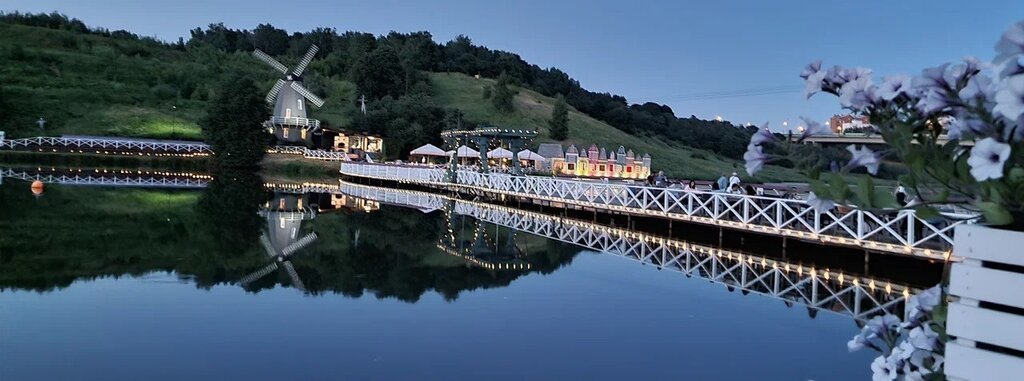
(967, 125)
(763, 135)
(1010, 99)
(813, 128)
(1011, 43)
(813, 83)
(820, 205)
(811, 69)
(988, 158)
(864, 157)
(979, 86)
(755, 158)
(892, 86)
(932, 101)
(858, 93)
(931, 78)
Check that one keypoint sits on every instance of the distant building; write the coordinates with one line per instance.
(595, 162)
(848, 122)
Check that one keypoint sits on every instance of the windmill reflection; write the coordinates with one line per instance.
(284, 214)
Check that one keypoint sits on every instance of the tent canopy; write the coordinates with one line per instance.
(465, 151)
(499, 153)
(427, 150)
(530, 155)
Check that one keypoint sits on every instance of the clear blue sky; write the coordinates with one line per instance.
(663, 52)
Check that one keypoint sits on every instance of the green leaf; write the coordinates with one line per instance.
(925, 212)
(995, 214)
(943, 195)
(865, 192)
(838, 187)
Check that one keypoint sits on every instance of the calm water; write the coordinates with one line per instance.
(128, 283)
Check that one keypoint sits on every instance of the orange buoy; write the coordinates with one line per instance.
(37, 187)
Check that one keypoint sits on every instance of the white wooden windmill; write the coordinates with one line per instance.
(290, 121)
(280, 257)
(281, 239)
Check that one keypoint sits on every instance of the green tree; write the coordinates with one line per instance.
(559, 122)
(271, 40)
(502, 94)
(233, 124)
(380, 73)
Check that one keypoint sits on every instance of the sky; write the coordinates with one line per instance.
(683, 54)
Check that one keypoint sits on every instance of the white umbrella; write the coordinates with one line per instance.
(427, 150)
(499, 153)
(530, 155)
(465, 151)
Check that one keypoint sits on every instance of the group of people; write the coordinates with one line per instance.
(731, 184)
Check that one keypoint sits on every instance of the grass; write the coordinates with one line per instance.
(532, 110)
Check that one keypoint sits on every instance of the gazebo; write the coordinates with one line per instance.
(534, 157)
(426, 151)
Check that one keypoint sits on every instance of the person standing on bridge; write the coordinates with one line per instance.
(734, 181)
(722, 182)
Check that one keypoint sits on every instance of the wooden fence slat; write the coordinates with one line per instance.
(988, 244)
(968, 363)
(988, 326)
(985, 284)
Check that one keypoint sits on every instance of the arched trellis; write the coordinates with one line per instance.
(516, 139)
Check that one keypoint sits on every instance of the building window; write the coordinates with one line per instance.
(280, 203)
(571, 166)
(629, 169)
(601, 168)
(302, 133)
(284, 132)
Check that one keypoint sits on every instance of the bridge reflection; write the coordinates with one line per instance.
(827, 289)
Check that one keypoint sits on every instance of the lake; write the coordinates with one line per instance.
(316, 281)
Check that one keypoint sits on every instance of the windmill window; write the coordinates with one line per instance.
(299, 101)
(280, 203)
(284, 132)
(302, 133)
(295, 232)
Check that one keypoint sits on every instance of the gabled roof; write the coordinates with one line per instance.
(550, 150)
(572, 149)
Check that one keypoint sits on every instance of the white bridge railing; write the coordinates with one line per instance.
(98, 143)
(108, 179)
(309, 153)
(311, 124)
(821, 289)
(898, 231)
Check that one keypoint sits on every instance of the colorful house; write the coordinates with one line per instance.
(595, 162)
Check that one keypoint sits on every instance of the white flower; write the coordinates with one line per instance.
(1010, 99)
(820, 204)
(857, 343)
(811, 69)
(892, 86)
(755, 158)
(1011, 44)
(763, 135)
(857, 94)
(987, 159)
(883, 369)
(864, 157)
(924, 338)
(813, 83)
(813, 128)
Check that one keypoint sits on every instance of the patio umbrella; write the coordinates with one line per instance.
(427, 150)
(465, 151)
(530, 155)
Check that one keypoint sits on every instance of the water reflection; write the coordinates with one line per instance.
(352, 239)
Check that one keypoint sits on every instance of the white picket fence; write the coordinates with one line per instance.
(987, 305)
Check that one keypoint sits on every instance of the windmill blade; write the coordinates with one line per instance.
(296, 282)
(298, 245)
(246, 280)
(272, 95)
(259, 54)
(315, 100)
(267, 246)
(306, 59)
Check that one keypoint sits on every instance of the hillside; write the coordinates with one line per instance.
(98, 85)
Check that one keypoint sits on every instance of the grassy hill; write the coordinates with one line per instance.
(95, 85)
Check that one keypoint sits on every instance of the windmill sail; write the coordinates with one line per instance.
(307, 94)
(298, 245)
(245, 281)
(296, 282)
(270, 61)
(305, 60)
(272, 95)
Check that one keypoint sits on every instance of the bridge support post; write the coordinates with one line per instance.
(516, 145)
(481, 144)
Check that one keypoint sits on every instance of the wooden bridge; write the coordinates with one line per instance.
(102, 145)
(900, 232)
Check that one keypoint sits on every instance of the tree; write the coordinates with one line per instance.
(559, 122)
(502, 94)
(380, 73)
(233, 124)
(270, 40)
